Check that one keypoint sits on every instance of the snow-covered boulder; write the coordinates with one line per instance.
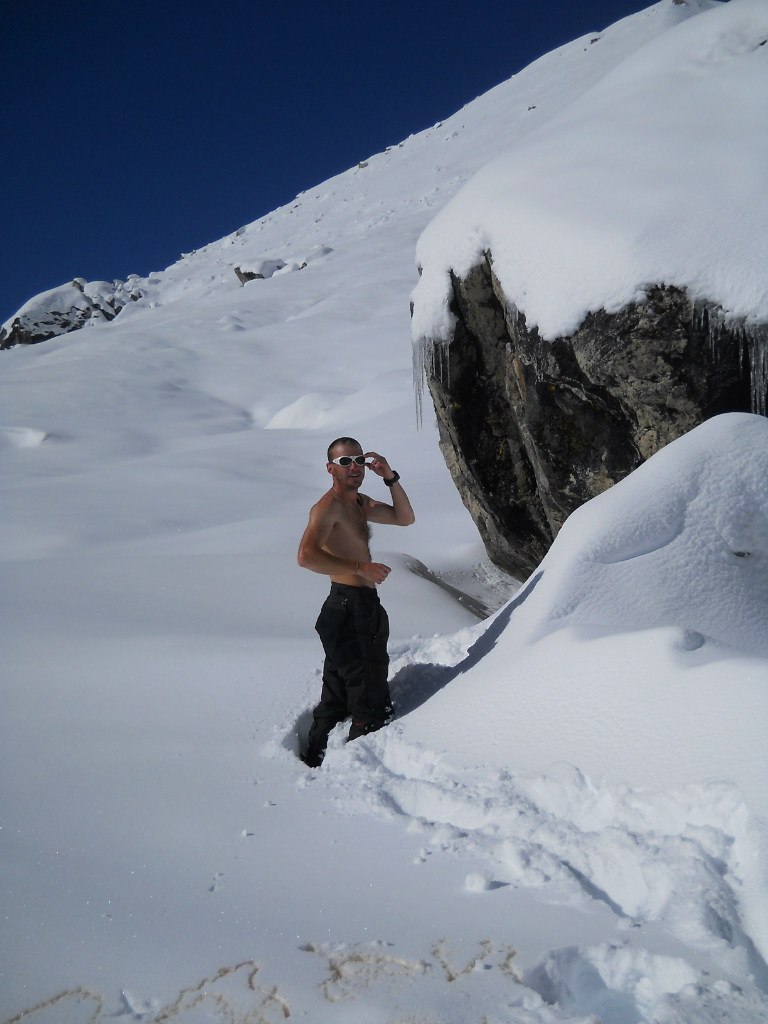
(600, 289)
(270, 266)
(68, 308)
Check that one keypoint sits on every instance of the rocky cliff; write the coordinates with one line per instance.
(531, 429)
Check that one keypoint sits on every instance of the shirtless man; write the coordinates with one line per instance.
(353, 626)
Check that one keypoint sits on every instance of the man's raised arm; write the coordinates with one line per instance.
(400, 512)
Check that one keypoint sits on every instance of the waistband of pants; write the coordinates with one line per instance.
(356, 593)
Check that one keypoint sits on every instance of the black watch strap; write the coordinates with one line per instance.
(393, 479)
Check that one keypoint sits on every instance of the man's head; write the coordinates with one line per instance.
(351, 474)
(342, 443)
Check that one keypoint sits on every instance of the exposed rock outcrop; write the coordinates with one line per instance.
(263, 269)
(68, 308)
(531, 429)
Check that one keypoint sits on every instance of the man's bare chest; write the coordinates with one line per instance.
(352, 522)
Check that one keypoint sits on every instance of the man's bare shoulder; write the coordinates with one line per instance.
(324, 505)
(330, 506)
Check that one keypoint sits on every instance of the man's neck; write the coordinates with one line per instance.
(348, 494)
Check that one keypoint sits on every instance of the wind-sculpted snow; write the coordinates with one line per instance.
(658, 591)
(683, 542)
(21, 437)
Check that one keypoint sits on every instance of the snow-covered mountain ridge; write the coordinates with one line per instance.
(404, 186)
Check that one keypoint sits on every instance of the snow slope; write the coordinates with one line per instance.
(165, 856)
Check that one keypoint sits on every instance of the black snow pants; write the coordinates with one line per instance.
(354, 629)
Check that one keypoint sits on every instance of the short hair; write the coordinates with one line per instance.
(342, 440)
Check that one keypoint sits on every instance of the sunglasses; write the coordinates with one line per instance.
(347, 460)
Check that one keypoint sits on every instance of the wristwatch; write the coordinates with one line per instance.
(392, 480)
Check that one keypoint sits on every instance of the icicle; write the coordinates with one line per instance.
(752, 342)
(419, 374)
(757, 342)
(430, 359)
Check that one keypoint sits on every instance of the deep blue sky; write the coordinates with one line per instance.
(131, 132)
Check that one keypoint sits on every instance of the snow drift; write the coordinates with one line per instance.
(658, 589)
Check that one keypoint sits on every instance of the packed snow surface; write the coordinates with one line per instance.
(654, 175)
(566, 819)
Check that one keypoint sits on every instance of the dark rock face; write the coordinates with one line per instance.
(531, 429)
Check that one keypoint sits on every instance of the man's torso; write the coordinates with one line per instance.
(350, 537)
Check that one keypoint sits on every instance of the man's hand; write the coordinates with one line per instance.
(373, 572)
(399, 513)
(379, 465)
